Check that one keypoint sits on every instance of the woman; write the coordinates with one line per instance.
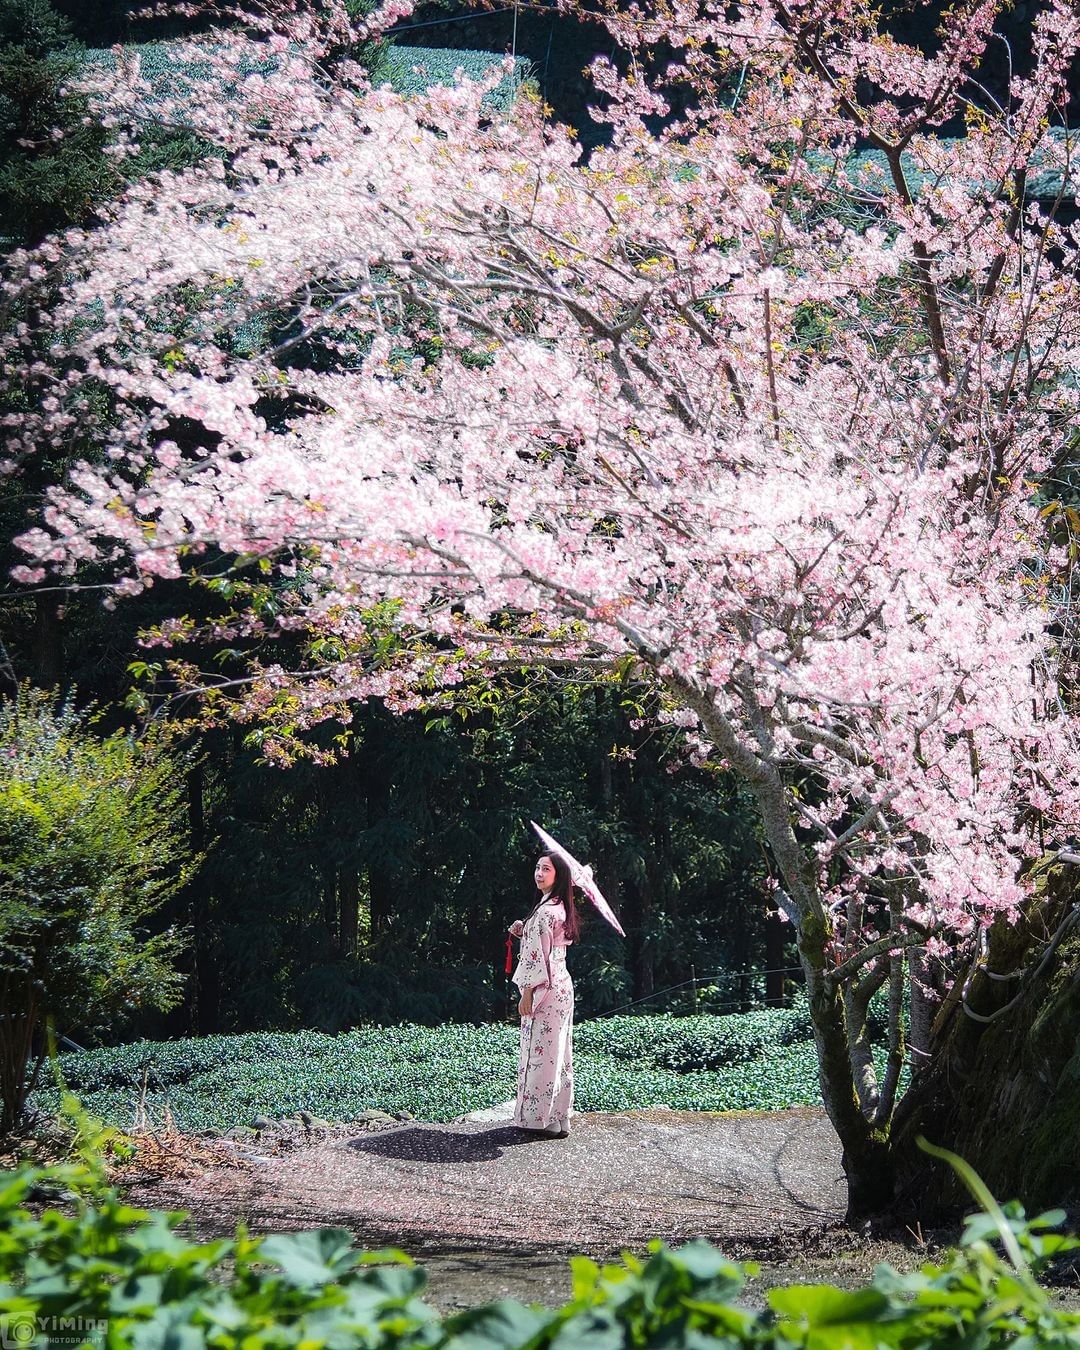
(545, 1089)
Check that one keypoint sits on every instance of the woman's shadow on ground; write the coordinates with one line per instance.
(423, 1144)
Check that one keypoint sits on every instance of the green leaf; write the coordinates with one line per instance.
(723, 1317)
(139, 1291)
(1053, 1218)
(310, 1259)
(170, 1328)
(822, 1305)
(584, 1276)
(503, 1325)
(701, 1260)
(594, 1328)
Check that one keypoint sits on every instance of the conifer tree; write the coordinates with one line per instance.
(53, 169)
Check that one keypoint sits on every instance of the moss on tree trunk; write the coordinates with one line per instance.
(1005, 1093)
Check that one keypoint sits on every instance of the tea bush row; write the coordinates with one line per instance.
(122, 1277)
(219, 1081)
(173, 69)
(696, 1042)
(663, 1041)
(754, 1062)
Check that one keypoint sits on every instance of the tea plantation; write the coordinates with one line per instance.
(755, 1061)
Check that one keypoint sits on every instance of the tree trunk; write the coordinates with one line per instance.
(1004, 1093)
(607, 874)
(639, 924)
(867, 1157)
(18, 1021)
(371, 772)
(775, 941)
(330, 903)
(207, 975)
(48, 640)
(380, 886)
(350, 908)
(871, 1178)
(867, 1154)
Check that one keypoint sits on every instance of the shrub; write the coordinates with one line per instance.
(93, 840)
(705, 1041)
(411, 70)
(438, 1073)
(219, 1081)
(128, 1275)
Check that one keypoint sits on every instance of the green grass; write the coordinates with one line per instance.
(761, 1060)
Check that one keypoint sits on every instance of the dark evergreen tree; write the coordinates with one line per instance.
(53, 169)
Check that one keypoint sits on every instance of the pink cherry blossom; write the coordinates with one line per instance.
(708, 402)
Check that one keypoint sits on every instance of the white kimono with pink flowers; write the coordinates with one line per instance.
(545, 1088)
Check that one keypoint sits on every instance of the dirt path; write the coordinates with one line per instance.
(493, 1213)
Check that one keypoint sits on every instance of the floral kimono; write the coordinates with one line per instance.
(545, 1087)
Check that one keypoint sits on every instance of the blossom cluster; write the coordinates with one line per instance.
(703, 398)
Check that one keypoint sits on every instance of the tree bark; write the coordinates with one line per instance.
(18, 1024)
(330, 903)
(349, 890)
(775, 942)
(867, 1155)
(637, 920)
(48, 641)
(380, 889)
(207, 974)
(1002, 1088)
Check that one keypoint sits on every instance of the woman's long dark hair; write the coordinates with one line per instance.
(563, 890)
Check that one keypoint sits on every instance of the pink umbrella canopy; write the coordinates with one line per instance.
(581, 875)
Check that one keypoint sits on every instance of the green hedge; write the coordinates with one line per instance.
(411, 70)
(106, 1274)
(756, 1061)
(1043, 181)
(696, 1042)
(220, 1081)
(408, 70)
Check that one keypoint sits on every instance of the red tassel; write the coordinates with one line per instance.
(509, 955)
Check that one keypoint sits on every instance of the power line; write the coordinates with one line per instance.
(699, 979)
(457, 18)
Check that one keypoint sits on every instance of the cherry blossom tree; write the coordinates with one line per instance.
(713, 404)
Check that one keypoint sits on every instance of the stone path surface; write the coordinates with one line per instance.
(491, 1213)
(479, 1195)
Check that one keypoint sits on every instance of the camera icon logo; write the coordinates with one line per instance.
(17, 1330)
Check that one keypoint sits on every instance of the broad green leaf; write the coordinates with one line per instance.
(594, 1328)
(822, 1304)
(313, 1258)
(502, 1325)
(701, 1260)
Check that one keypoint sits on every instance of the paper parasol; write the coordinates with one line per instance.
(581, 875)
